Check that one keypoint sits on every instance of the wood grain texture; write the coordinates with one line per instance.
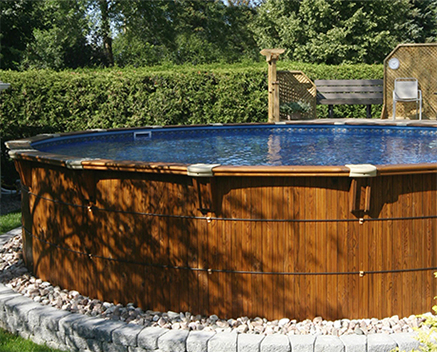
(132, 237)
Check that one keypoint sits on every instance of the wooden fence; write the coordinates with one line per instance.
(418, 61)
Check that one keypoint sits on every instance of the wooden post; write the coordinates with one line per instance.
(272, 56)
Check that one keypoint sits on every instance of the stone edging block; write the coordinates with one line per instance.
(275, 343)
(302, 343)
(76, 332)
(380, 343)
(173, 341)
(148, 338)
(354, 343)
(223, 342)
(249, 342)
(328, 343)
(406, 341)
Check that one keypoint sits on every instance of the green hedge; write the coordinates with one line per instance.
(46, 101)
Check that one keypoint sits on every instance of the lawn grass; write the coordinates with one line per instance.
(10, 221)
(13, 343)
(10, 342)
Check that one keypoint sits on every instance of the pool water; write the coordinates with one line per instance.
(257, 145)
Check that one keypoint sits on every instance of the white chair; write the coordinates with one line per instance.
(407, 90)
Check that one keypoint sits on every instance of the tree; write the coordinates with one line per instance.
(18, 20)
(423, 21)
(61, 39)
(145, 32)
(183, 31)
(63, 33)
(338, 31)
(202, 32)
(250, 3)
(104, 14)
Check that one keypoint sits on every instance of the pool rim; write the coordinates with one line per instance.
(23, 149)
(359, 219)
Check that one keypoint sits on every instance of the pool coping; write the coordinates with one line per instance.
(22, 150)
(77, 332)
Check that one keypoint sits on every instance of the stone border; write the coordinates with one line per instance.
(76, 332)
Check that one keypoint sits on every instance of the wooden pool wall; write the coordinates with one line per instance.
(273, 242)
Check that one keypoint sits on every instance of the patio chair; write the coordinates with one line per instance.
(407, 90)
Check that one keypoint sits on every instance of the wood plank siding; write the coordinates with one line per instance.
(270, 246)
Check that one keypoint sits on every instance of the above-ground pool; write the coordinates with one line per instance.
(244, 145)
(337, 219)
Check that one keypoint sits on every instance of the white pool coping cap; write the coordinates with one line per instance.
(201, 170)
(362, 170)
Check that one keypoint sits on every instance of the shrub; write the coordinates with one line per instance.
(44, 101)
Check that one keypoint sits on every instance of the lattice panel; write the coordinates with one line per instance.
(296, 86)
(418, 61)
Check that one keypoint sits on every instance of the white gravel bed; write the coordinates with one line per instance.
(15, 275)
